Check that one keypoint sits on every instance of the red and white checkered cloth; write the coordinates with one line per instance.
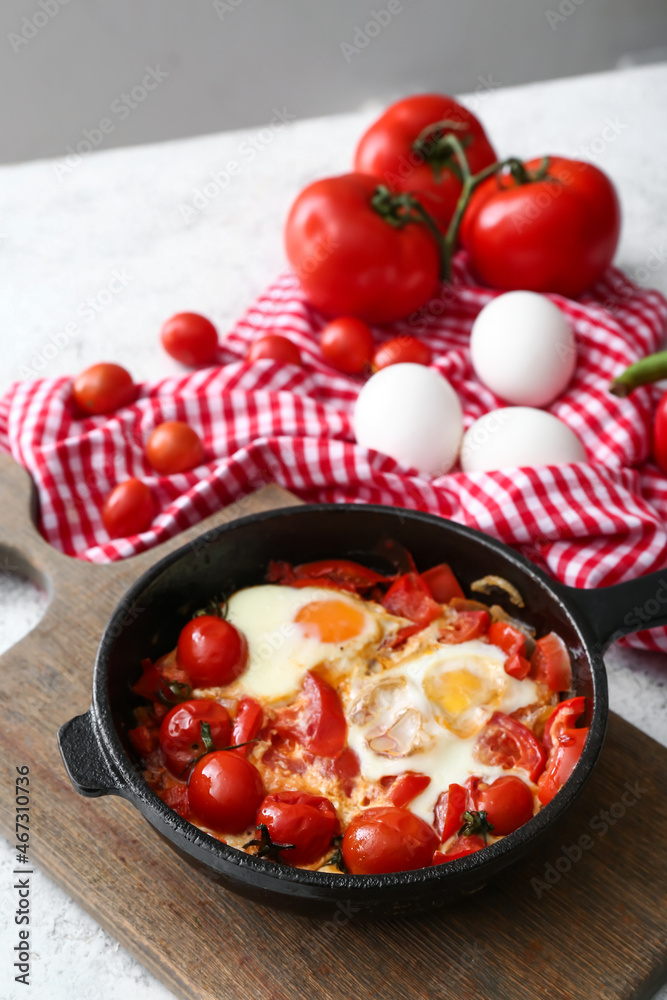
(589, 524)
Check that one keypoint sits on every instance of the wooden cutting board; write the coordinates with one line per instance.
(567, 923)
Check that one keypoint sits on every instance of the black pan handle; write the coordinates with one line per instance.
(613, 612)
(85, 762)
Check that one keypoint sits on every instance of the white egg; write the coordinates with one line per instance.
(523, 348)
(411, 413)
(517, 436)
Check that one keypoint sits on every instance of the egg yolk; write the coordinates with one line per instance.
(455, 691)
(330, 621)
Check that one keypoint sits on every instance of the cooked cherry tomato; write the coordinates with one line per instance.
(564, 717)
(563, 756)
(508, 803)
(507, 638)
(315, 719)
(247, 723)
(555, 234)
(449, 811)
(103, 388)
(388, 839)
(402, 350)
(341, 573)
(225, 791)
(461, 848)
(176, 797)
(350, 260)
(129, 509)
(442, 583)
(174, 447)
(505, 742)
(550, 663)
(145, 739)
(273, 347)
(212, 651)
(347, 345)
(409, 597)
(517, 666)
(156, 678)
(660, 434)
(403, 148)
(407, 787)
(180, 733)
(467, 625)
(191, 339)
(309, 822)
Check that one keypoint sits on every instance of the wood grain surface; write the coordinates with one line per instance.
(584, 917)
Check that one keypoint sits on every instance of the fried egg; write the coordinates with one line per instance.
(292, 630)
(424, 714)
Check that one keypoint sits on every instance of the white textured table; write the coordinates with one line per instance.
(98, 253)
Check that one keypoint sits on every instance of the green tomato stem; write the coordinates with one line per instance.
(649, 369)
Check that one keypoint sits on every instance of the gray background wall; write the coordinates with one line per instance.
(66, 64)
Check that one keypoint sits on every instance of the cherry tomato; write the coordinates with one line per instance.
(225, 791)
(103, 388)
(517, 666)
(180, 732)
(402, 350)
(350, 260)
(176, 797)
(507, 638)
(513, 642)
(129, 509)
(505, 742)
(388, 839)
(442, 583)
(467, 625)
(564, 717)
(174, 447)
(145, 739)
(315, 719)
(508, 803)
(449, 810)
(550, 663)
(660, 434)
(247, 723)
(557, 234)
(347, 345)
(273, 347)
(191, 339)
(156, 678)
(406, 787)
(212, 651)
(390, 149)
(409, 597)
(461, 848)
(563, 756)
(342, 573)
(307, 821)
